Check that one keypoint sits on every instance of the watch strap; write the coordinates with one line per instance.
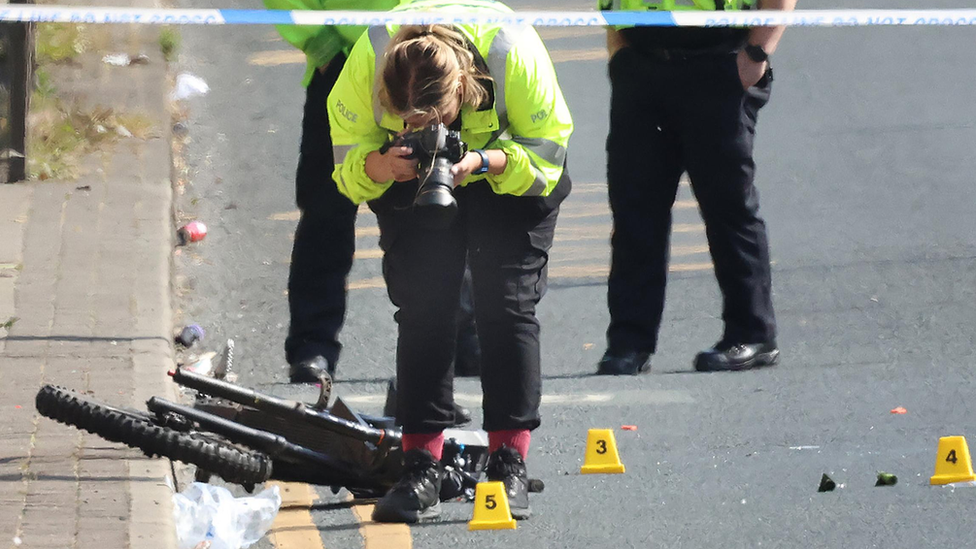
(756, 53)
(484, 162)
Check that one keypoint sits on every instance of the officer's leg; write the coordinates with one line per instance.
(643, 168)
(509, 241)
(423, 270)
(718, 141)
(324, 241)
(468, 356)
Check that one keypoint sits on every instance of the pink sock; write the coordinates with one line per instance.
(517, 439)
(432, 442)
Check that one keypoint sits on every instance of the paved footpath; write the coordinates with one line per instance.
(85, 268)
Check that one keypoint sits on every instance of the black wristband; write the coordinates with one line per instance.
(756, 53)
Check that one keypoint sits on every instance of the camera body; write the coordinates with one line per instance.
(436, 149)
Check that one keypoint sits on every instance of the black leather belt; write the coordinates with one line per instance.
(678, 54)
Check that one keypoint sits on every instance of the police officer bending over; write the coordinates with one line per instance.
(686, 99)
(496, 87)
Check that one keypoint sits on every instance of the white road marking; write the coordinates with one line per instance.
(635, 396)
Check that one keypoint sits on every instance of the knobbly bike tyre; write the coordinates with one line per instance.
(138, 430)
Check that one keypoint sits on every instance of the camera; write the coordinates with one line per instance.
(436, 149)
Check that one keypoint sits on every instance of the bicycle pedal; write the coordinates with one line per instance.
(325, 392)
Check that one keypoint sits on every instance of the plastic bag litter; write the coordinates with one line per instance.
(188, 85)
(124, 59)
(117, 59)
(204, 512)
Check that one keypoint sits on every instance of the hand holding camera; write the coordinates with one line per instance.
(433, 152)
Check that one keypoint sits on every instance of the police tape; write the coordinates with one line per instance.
(757, 18)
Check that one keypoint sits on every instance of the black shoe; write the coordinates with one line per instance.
(624, 364)
(311, 370)
(462, 416)
(507, 466)
(726, 357)
(416, 496)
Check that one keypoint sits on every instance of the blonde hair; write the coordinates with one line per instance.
(426, 66)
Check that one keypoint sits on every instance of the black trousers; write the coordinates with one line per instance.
(506, 241)
(325, 239)
(667, 117)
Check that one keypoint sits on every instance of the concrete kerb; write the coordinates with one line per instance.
(151, 522)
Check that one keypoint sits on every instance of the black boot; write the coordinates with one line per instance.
(623, 364)
(310, 370)
(507, 466)
(725, 357)
(416, 496)
(462, 416)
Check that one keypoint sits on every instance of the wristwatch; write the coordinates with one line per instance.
(756, 53)
(484, 162)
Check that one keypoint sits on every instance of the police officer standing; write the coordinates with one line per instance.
(686, 100)
(325, 239)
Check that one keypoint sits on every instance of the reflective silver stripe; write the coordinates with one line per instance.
(550, 151)
(503, 43)
(539, 185)
(379, 38)
(339, 152)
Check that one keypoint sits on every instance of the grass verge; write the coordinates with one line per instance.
(60, 131)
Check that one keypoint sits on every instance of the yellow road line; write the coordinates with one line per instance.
(687, 228)
(563, 253)
(601, 186)
(294, 215)
(602, 271)
(367, 283)
(276, 57)
(688, 267)
(367, 231)
(293, 528)
(572, 211)
(555, 272)
(589, 188)
(371, 253)
(681, 251)
(591, 54)
(555, 33)
(285, 216)
(378, 535)
(602, 232)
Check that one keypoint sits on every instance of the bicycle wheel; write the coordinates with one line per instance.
(137, 429)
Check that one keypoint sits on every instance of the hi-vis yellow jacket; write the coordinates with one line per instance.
(529, 121)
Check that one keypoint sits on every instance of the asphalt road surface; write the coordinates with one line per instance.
(867, 187)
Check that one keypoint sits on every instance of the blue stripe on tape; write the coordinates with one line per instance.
(684, 18)
(640, 19)
(257, 17)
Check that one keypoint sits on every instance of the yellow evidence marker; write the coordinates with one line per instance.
(491, 510)
(601, 453)
(952, 463)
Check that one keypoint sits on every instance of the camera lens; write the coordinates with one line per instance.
(435, 205)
